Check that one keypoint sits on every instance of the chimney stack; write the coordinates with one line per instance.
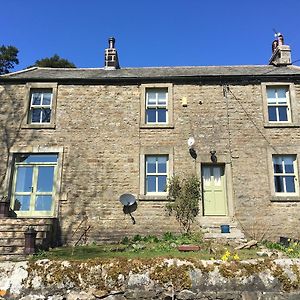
(111, 55)
(281, 54)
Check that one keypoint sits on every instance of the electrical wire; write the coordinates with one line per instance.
(251, 120)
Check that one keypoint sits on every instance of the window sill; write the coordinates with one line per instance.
(157, 126)
(152, 198)
(285, 198)
(281, 125)
(38, 126)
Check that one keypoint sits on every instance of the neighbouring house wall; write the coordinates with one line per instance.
(98, 127)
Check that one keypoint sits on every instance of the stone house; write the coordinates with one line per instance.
(74, 140)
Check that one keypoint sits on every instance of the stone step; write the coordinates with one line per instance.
(27, 221)
(22, 227)
(17, 241)
(16, 249)
(13, 257)
(20, 234)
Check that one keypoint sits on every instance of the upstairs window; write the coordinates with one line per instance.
(156, 174)
(157, 106)
(40, 106)
(285, 174)
(278, 102)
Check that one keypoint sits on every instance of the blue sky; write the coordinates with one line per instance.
(150, 32)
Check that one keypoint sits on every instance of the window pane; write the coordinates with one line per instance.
(46, 115)
(272, 113)
(151, 164)
(36, 115)
(278, 181)
(162, 115)
(162, 183)
(151, 98)
(271, 94)
(162, 164)
(290, 185)
(281, 94)
(162, 97)
(46, 98)
(282, 113)
(29, 158)
(151, 115)
(277, 163)
(24, 179)
(150, 184)
(45, 179)
(217, 176)
(288, 165)
(43, 202)
(36, 98)
(22, 202)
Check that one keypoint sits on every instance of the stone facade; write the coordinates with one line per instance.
(101, 139)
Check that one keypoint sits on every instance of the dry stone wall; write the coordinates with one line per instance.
(166, 279)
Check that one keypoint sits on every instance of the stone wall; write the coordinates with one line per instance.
(166, 279)
(98, 128)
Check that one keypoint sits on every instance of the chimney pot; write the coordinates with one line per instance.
(111, 43)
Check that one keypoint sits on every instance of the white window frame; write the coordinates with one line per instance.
(40, 106)
(154, 151)
(169, 105)
(284, 174)
(293, 105)
(156, 174)
(30, 88)
(277, 104)
(156, 106)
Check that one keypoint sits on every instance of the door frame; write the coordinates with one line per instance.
(223, 159)
(224, 190)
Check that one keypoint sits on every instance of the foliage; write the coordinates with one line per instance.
(54, 62)
(184, 196)
(8, 58)
(147, 247)
(292, 250)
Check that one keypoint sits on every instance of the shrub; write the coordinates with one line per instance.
(184, 196)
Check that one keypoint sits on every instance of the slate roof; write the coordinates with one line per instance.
(153, 73)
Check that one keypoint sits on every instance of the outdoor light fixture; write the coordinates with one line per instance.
(213, 156)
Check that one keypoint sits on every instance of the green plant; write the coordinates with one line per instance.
(184, 196)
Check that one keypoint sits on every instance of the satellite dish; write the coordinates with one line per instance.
(191, 142)
(127, 199)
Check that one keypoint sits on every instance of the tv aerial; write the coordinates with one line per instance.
(129, 204)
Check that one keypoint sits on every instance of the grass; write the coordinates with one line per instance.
(148, 247)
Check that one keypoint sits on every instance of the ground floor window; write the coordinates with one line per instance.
(33, 185)
(156, 173)
(285, 174)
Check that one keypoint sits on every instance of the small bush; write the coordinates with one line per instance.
(184, 196)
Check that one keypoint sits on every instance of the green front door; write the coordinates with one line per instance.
(214, 193)
(33, 187)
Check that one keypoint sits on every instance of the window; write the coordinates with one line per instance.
(278, 104)
(156, 174)
(156, 166)
(156, 105)
(40, 106)
(285, 170)
(34, 186)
